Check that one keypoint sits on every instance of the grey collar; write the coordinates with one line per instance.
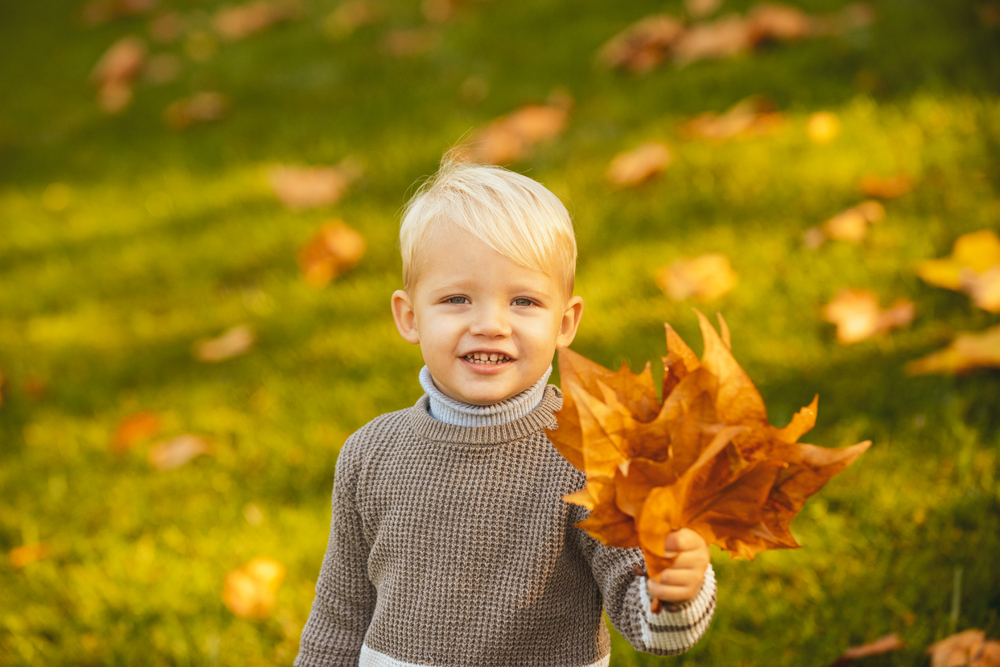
(450, 411)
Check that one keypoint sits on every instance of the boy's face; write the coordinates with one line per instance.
(487, 327)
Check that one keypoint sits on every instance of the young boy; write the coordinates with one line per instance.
(450, 543)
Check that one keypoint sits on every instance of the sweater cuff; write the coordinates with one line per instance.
(673, 632)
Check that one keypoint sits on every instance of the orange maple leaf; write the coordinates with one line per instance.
(705, 458)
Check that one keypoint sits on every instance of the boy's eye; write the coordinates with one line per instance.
(457, 299)
(523, 302)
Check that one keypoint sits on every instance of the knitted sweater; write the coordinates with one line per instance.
(451, 546)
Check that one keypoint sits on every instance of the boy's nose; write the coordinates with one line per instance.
(491, 322)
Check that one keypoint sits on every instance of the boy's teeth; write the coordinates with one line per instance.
(487, 358)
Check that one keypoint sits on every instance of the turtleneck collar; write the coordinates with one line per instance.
(457, 413)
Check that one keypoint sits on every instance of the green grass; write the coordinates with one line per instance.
(167, 237)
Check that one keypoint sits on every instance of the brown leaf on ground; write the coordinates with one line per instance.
(97, 12)
(202, 107)
(643, 45)
(28, 554)
(772, 21)
(958, 650)
(177, 451)
(724, 37)
(885, 187)
(705, 277)
(511, 137)
(232, 343)
(967, 352)
(849, 225)
(822, 127)
(699, 9)
(753, 116)
(891, 642)
(311, 187)
(973, 267)
(411, 42)
(334, 249)
(250, 590)
(639, 165)
(351, 15)
(116, 71)
(857, 315)
(135, 429)
(705, 458)
(238, 21)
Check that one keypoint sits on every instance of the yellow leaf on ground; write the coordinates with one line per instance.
(134, 429)
(967, 352)
(705, 277)
(852, 224)
(232, 343)
(249, 591)
(822, 127)
(858, 316)
(28, 554)
(176, 452)
(334, 249)
(973, 267)
(639, 165)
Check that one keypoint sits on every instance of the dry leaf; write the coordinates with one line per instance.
(705, 277)
(236, 22)
(699, 9)
(351, 15)
(852, 224)
(409, 43)
(885, 187)
(753, 116)
(725, 37)
(310, 187)
(891, 642)
(973, 267)
(199, 108)
(334, 249)
(705, 458)
(232, 343)
(28, 554)
(643, 45)
(177, 451)
(116, 71)
(771, 21)
(134, 429)
(857, 315)
(959, 650)
(250, 590)
(97, 12)
(639, 165)
(822, 127)
(511, 137)
(967, 352)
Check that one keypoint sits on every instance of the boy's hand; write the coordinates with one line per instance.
(680, 582)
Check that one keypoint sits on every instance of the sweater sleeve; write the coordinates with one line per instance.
(345, 597)
(627, 601)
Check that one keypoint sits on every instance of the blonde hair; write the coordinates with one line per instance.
(513, 214)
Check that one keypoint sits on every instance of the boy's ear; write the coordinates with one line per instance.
(570, 321)
(406, 319)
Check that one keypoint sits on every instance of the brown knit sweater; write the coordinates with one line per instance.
(451, 546)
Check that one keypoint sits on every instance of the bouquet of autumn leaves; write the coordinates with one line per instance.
(704, 458)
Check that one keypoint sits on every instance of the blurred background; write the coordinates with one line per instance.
(199, 204)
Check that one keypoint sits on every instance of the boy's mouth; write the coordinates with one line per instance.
(488, 358)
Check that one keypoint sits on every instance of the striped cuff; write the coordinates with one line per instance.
(673, 632)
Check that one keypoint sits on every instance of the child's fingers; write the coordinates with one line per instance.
(689, 561)
(683, 540)
(672, 593)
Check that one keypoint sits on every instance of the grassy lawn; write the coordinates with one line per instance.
(122, 242)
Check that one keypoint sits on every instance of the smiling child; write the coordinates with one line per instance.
(450, 544)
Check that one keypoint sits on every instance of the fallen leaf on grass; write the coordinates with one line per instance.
(411, 42)
(967, 352)
(199, 108)
(28, 554)
(849, 225)
(885, 187)
(643, 45)
(135, 429)
(177, 451)
(772, 21)
(891, 642)
(969, 648)
(822, 127)
(236, 22)
(725, 37)
(116, 71)
(639, 165)
(250, 590)
(973, 267)
(705, 457)
(753, 116)
(351, 15)
(705, 277)
(857, 315)
(232, 343)
(97, 12)
(511, 137)
(334, 249)
(699, 9)
(309, 187)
